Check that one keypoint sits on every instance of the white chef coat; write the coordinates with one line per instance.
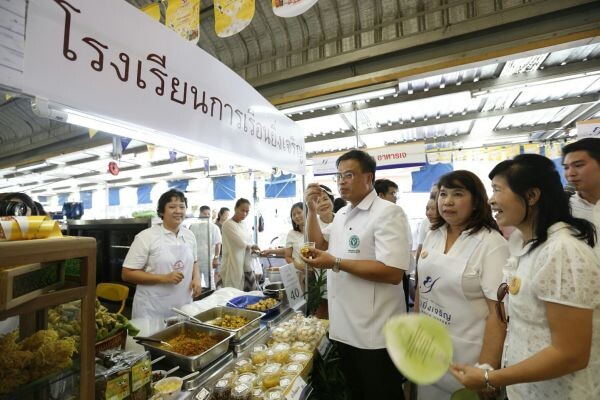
(206, 236)
(295, 240)
(373, 230)
(562, 270)
(424, 228)
(236, 259)
(157, 250)
(581, 208)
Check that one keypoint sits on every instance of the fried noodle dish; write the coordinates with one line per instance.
(190, 343)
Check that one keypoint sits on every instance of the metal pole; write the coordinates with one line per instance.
(305, 240)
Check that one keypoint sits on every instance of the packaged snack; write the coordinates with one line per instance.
(258, 355)
(270, 375)
(241, 391)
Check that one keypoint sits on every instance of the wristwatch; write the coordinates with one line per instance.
(336, 265)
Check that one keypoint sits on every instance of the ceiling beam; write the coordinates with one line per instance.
(497, 83)
(394, 126)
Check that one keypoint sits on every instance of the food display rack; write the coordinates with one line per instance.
(33, 314)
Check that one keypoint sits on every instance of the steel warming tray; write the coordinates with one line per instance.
(189, 363)
(239, 333)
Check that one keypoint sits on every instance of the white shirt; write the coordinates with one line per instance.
(483, 272)
(236, 258)
(144, 251)
(424, 228)
(295, 240)
(582, 208)
(207, 235)
(562, 270)
(373, 230)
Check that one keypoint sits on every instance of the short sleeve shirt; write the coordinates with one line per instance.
(144, 251)
(582, 208)
(358, 308)
(562, 270)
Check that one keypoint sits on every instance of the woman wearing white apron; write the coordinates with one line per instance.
(459, 272)
(236, 263)
(162, 262)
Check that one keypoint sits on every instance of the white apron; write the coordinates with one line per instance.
(441, 296)
(155, 301)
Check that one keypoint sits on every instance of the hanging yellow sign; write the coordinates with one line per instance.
(232, 16)
(152, 10)
(183, 16)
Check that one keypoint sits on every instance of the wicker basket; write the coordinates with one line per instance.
(112, 342)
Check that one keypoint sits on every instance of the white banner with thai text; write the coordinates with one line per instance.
(388, 157)
(589, 128)
(109, 60)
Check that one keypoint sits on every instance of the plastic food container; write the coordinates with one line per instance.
(293, 369)
(247, 378)
(285, 381)
(257, 393)
(274, 394)
(283, 334)
(230, 376)
(222, 390)
(169, 388)
(270, 375)
(307, 333)
(241, 391)
(300, 357)
(302, 346)
(258, 355)
(281, 352)
(244, 365)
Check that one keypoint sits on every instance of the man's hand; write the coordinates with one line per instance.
(311, 196)
(319, 259)
(173, 277)
(196, 287)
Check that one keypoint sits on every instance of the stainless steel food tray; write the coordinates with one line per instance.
(189, 363)
(240, 333)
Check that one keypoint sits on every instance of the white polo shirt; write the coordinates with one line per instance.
(375, 229)
(582, 208)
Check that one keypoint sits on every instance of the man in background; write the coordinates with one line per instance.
(581, 161)
(208, 238)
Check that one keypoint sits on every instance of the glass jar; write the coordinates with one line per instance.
(270, 375)
(258, 355)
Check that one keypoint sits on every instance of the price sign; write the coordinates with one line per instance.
(324, 346)
(297, 389)
(292, 286)
(203, 394)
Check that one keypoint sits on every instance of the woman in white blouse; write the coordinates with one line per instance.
(459, 271)
(552, 348)
(295, 237)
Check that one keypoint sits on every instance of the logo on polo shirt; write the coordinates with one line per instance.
(353, 242)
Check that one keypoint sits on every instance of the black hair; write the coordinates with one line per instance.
(204, 208)
(482, 212)
(241, 201)
(366, 161)
(589, 145)
(339, 203)
(528, 171)
(222, 211)
(327, 191)
(299, 205)
(383, 185)
(167, 197)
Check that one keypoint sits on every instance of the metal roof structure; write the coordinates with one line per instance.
(360, 74)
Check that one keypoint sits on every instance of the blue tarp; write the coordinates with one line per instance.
(281, 187)
(114, 198)
(224, 188)
(180, 185)
(86, 199)
(428, 175)
(143, 193)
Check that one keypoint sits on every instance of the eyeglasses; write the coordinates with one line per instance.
(346, 176)
(500, 311)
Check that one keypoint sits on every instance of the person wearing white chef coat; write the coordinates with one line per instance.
(459, 270)
(162, 262)
(365, 251)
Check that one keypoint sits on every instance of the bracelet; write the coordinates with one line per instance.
(488, 385)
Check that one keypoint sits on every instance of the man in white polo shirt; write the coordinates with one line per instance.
(366, 252)
(581, 161)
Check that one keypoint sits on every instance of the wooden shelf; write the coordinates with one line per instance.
(33, 314)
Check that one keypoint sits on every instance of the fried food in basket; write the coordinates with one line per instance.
(190, 343)
(41, 354)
